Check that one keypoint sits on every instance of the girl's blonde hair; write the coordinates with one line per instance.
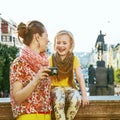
(65, 32)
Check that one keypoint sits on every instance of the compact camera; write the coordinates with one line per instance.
(54, 71)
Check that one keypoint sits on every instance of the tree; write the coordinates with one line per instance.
(7, 55)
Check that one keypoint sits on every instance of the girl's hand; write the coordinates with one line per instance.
(84, 101)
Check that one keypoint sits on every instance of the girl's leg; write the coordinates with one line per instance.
(58, 96)
(74, 99)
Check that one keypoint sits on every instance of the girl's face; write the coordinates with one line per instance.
(62, 44)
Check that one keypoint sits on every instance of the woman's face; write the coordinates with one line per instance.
(43, 42)
(62, 44)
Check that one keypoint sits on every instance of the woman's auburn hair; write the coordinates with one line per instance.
(26, 31)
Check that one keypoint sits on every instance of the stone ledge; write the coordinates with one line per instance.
(100, 108)
(5, 111)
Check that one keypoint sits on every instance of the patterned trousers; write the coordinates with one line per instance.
(60, 96)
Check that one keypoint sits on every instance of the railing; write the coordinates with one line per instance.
(99, 108)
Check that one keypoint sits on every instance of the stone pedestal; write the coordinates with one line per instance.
(97, 90)
(92, 89)
(101, 85)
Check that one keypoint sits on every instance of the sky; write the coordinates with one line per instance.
(84, 18)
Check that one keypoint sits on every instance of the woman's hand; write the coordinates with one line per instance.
(42, 73)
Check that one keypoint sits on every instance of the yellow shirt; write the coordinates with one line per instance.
(63, 82)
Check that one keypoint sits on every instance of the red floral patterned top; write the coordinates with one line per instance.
(39, 101)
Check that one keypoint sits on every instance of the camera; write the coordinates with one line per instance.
(54, 71)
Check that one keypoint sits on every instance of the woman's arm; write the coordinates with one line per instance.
(21, 93)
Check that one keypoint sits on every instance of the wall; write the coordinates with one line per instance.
(100, 108)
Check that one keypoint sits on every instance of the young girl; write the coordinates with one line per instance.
(63, 85)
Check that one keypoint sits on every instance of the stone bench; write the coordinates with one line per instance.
(100, 108)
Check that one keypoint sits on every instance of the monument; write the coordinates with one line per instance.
(103, 80)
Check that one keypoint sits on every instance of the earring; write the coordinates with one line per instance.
(38, 45)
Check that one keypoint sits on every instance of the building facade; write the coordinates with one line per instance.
(8, 33)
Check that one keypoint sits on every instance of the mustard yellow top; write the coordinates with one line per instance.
(63, 82)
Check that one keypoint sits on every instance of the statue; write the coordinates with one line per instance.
(100, 44)
(110, 75)
(91, 74)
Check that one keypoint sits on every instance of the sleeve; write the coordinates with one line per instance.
(17, 72)
(76, 62)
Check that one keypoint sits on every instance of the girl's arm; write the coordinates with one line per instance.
(81, 82)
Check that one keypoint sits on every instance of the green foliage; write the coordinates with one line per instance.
(117, 76)
(2, 60)
(7, 55)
